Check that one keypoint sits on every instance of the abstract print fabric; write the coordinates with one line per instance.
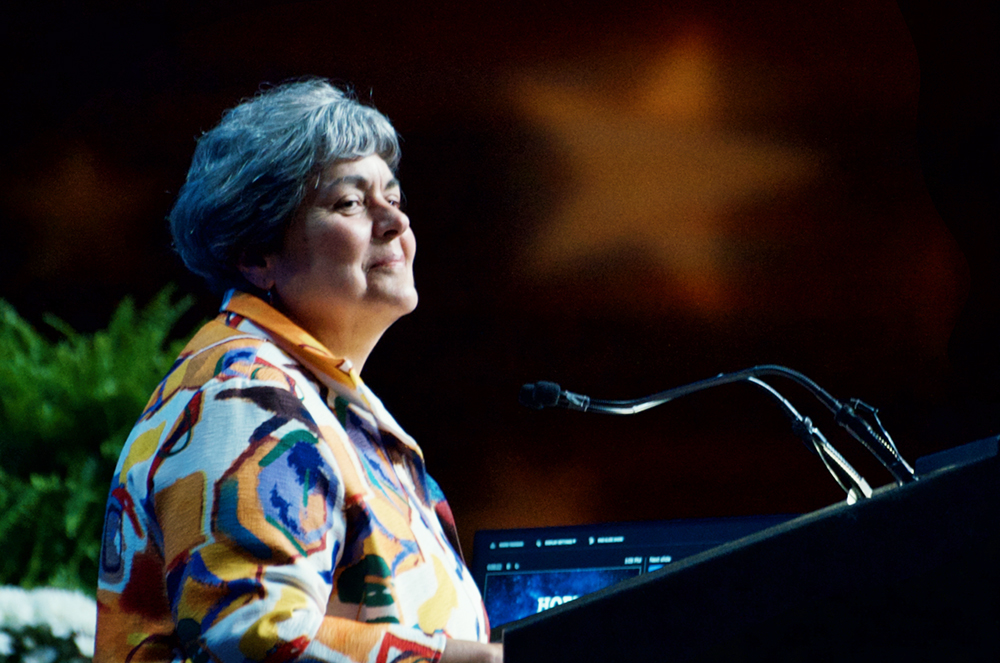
(266, 507)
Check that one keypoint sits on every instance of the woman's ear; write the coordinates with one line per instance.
(257, 269)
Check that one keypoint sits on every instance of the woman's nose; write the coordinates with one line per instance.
(389, 221)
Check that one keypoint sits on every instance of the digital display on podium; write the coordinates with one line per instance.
(521, 572)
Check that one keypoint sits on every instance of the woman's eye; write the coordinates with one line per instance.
(396, 199)
(347, 204)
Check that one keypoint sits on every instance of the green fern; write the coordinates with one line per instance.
(66, 407)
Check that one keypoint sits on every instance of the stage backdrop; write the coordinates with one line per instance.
(619, 197)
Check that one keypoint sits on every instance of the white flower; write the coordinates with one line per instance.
(6, 644)
(42, 655)
(65, 612)
(85, 644)
(66, 615)
(16, 608)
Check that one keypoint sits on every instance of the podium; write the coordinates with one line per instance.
(910, 574)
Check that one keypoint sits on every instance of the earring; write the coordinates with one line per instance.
(270, 295)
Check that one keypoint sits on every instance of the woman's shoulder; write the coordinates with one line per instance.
(216, 356)
(219, 393)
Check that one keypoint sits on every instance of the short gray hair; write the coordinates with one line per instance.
(249, 174)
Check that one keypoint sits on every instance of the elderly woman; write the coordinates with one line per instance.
(267, 507)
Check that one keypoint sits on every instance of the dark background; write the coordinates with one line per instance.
(620, 197)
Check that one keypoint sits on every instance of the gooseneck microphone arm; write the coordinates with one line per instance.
(880, 444)
(843, 472)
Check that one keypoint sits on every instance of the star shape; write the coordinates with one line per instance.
(656, 176)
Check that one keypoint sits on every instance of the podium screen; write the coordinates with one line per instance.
(521, 572)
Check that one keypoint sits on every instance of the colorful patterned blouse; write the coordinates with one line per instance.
(266, 507)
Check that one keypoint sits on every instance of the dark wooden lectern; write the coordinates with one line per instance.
(910, 574)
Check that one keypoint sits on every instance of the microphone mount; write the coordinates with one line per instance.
(850, 416)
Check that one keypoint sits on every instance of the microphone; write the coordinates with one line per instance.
(539, 396)
(876, 439)
(548, 394)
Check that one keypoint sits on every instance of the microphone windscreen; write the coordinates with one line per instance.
(540, 395)
(547, 394)
(527, 396)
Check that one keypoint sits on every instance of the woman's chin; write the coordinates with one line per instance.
(399, 301)
(409, 303)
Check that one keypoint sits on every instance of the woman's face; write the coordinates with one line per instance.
(348, 253)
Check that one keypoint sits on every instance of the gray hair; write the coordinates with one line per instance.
(249, 174)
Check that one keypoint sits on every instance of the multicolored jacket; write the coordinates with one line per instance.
(266, 507)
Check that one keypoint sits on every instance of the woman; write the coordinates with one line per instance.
(266, 507)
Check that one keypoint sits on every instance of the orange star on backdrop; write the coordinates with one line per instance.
(655, 174)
